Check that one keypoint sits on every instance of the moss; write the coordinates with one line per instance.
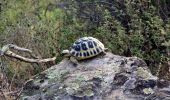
(57, 76)
(80, 89)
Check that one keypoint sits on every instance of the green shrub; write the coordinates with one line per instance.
(129, 28)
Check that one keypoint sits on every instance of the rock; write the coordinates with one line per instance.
(108, 77)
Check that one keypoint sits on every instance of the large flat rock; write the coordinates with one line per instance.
(108, 77)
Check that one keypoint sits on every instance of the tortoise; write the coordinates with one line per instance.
(84, 48)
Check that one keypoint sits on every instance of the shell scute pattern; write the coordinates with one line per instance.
(91, 52)
(86, 47)
(90, 44)
(88, 54)
(97, 49)
(77, 54)
(94, 52)
(95, 44)
(77, 47)
(84, 54)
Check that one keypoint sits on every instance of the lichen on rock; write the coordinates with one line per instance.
(100, 78)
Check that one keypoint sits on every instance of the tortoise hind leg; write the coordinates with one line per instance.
(104, 51)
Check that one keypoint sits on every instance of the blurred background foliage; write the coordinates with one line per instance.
(127, 27)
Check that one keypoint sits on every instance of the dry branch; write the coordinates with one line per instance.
(5, 51)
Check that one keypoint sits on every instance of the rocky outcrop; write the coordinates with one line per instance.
(108, 77)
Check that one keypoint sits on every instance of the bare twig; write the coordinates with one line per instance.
(15, 47)
(6, 52)
(13, 55)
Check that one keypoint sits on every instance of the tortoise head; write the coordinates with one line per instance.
(65, 53)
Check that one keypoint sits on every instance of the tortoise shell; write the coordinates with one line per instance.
(86, 47)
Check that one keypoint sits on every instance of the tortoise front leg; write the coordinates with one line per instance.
(74, 61)
(77, 64)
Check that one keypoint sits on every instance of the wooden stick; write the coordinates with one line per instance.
(6, 52)
(13, 55)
